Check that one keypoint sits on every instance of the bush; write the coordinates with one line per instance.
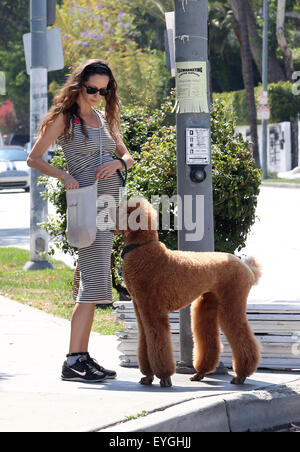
(151, 139)
(284, 104)
(236, 183)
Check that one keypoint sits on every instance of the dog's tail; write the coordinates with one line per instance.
(254, 266)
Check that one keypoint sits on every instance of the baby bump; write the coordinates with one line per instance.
(109, 197)
(86, 177)
(111, 187)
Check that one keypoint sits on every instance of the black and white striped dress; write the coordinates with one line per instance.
(95, 282)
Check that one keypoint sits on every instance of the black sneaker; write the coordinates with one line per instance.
(83, 371)
(109, 374)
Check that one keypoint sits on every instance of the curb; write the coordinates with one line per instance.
(260, 410)
(280, 184)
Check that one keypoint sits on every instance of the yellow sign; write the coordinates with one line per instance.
(191, 87)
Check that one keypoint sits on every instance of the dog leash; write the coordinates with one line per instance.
(124, 179)
(132, 247)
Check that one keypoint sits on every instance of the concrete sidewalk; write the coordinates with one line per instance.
(34, 399)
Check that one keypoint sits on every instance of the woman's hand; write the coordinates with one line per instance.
(107, 169)
(70, 182)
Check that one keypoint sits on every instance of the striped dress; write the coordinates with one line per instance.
(92, 278)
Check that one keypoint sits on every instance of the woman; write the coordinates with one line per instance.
(73, 123)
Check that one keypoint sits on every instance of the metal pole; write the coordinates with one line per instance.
(39, 238)
(265, 89)
(191, 37)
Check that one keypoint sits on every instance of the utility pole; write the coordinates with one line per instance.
(265, 90)
(39, 238)
(194, 171)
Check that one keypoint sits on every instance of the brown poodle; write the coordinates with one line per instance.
(161, 281)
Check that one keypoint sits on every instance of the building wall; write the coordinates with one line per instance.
(279, 148)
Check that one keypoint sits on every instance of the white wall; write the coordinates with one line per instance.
(279, 145)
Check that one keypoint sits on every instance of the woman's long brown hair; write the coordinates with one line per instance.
(65, 101)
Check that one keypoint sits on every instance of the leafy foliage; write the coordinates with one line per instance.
(151, 140)
(284, 104)
(106, 29)
(236, 183)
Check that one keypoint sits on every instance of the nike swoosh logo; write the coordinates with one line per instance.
(82, 374)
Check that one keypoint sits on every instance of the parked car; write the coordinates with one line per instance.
(14, 171)
(51, 151)
(16, 139)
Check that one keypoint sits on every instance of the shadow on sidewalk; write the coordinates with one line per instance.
(222, 384)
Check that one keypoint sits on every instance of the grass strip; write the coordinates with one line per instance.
(48, 290)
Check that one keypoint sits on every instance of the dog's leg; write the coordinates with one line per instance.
(234, 323)
(206, 334)
(159, 345)
(144, 364)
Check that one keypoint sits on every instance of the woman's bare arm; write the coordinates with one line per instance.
(44, 141)
(122, 152)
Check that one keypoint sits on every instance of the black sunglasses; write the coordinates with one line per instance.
(92, 90)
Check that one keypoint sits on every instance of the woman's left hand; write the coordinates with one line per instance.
(107, 169)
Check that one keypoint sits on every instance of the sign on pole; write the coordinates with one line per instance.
(197, 146)
(170, 22)
(191, 87)
(263, 112)
(55, 56)
(263, 98)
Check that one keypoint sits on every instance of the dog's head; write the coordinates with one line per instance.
(134, 217)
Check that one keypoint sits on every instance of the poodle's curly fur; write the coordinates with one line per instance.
(161, 281)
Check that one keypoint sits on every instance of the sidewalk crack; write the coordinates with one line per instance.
(228, 415)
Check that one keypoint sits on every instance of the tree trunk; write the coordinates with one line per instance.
(286, 52)
(275, 71)
(247, 69)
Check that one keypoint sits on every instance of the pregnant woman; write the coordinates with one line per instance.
(79, 128)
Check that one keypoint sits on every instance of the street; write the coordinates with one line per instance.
(274, 239)
(35, 399)
(15, 221)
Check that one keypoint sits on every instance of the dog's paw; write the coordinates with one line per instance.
(146, 380)
(238, 380)
(197, 377)
(166, 382)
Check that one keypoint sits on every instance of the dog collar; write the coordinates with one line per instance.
(132, 247)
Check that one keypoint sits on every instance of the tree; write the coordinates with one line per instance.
(282, 42)
(275, 71)
(7, 117)
(106, 29)
(17, 83)
(14, 21)
(247, 69)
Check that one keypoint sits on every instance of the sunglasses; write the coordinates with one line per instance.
(92, 90)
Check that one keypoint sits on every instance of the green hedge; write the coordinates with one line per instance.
(284, 104)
